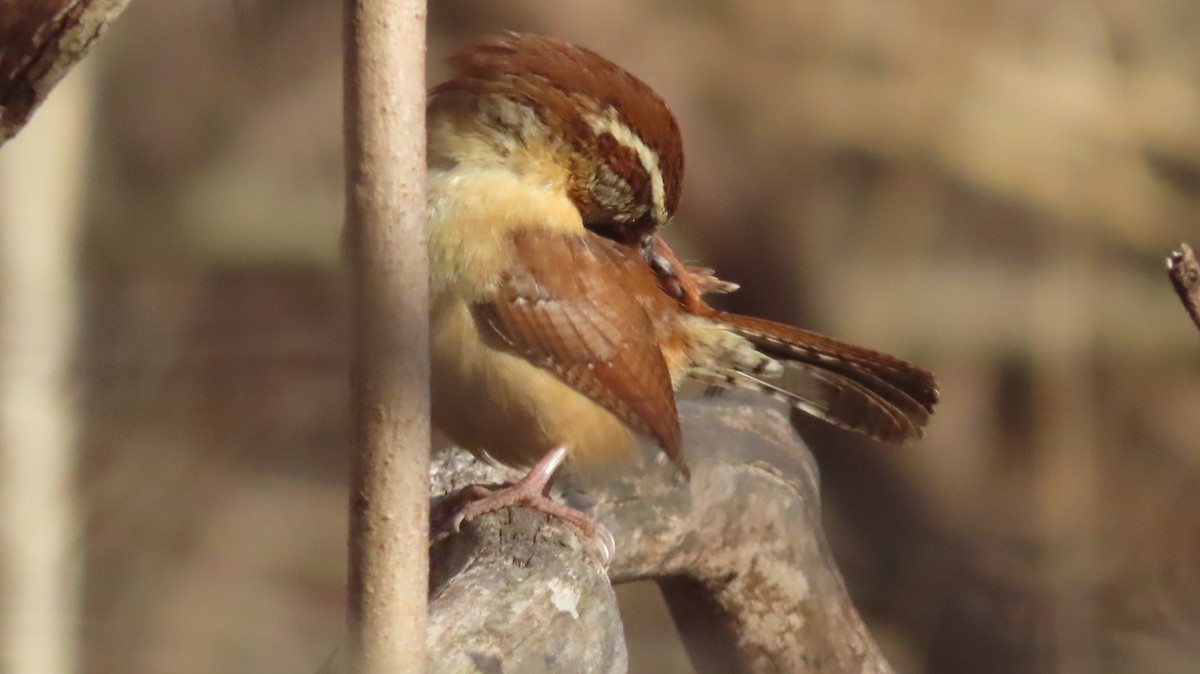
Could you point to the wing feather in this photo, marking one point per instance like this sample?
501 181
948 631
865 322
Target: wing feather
565 304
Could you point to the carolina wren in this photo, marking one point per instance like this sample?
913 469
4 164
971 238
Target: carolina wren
561 324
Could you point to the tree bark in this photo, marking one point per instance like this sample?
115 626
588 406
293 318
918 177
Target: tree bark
39 42
516 593
739 552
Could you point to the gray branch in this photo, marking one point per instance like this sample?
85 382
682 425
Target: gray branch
739 553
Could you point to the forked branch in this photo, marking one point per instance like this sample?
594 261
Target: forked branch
739 553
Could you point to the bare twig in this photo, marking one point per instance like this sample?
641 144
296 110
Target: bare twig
385 197
39 42
1184 273
739 552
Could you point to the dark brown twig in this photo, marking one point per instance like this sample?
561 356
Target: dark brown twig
39 43
1184 273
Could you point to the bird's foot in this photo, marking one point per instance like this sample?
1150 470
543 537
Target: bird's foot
474 501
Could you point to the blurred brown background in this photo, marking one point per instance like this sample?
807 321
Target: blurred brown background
987 188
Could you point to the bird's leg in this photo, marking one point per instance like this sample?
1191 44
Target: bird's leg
530 491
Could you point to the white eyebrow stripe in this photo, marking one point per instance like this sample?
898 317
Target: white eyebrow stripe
611 123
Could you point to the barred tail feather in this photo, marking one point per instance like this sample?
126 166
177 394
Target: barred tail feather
868 416
851 387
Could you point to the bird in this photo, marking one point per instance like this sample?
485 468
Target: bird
561 322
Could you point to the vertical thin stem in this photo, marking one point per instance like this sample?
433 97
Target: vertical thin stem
385 197
42 176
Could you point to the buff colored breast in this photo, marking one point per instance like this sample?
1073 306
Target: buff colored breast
498 404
